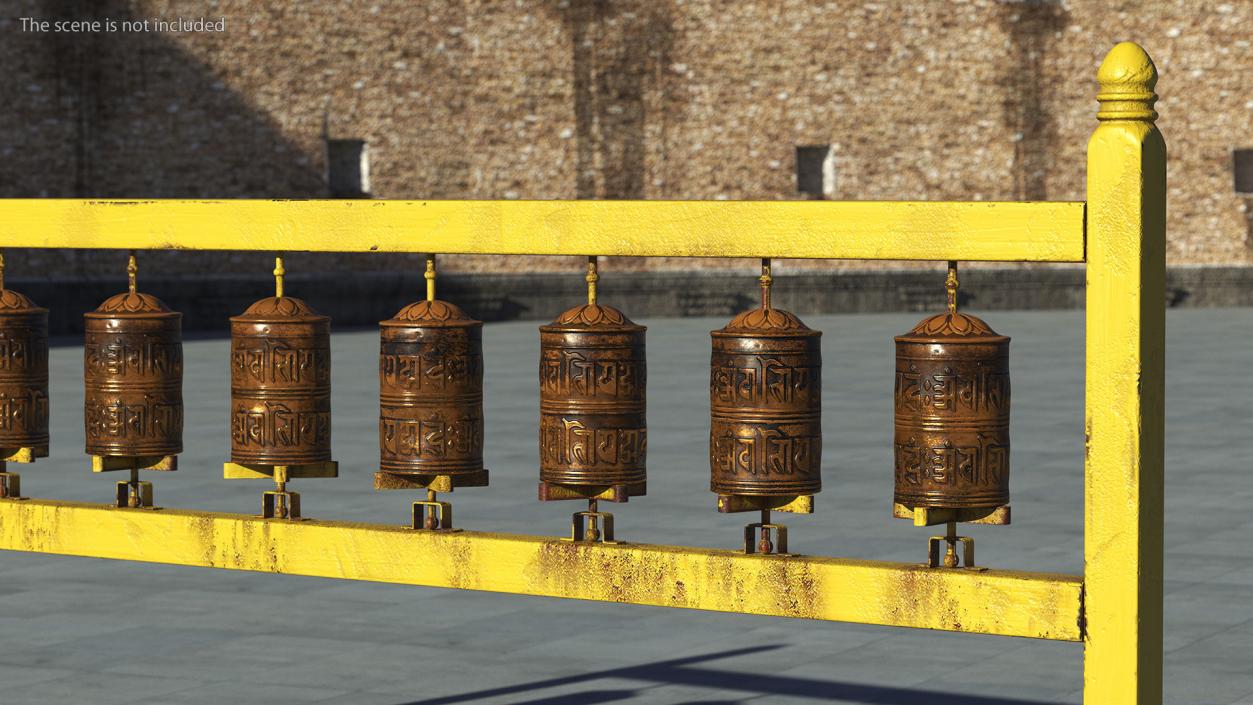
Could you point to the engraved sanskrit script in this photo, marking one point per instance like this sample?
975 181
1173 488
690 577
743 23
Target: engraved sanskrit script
275 424
570 442
762 450
944 391
275 361
764 381
119 420
982 464
570 372
433 436
149 359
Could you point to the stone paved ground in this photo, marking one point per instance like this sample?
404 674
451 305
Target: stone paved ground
78 630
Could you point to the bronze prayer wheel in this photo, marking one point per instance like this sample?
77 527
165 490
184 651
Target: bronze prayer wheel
431 391
280 384
765 396
23 373
952 414
592 380
133 368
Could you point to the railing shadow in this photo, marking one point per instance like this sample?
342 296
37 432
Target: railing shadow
684 671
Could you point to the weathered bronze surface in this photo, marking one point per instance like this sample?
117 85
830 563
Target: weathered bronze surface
133 369
280 384
592 380
765 396
952 414
23 373
431 391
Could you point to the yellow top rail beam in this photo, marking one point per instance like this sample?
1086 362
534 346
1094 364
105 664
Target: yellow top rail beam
907 230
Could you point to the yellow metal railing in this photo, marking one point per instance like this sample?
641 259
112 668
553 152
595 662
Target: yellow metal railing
919 230
1115 608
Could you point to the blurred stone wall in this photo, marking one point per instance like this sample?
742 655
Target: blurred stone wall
655 99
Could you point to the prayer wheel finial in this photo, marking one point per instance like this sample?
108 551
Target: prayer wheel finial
592 277
1127 77
950 284
132 272
430 277
279 272
766 282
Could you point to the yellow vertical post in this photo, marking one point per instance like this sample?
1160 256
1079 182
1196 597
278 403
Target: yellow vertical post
1126 270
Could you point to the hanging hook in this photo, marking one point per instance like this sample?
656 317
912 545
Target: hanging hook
430 277
592 277
766 282
279 271
950 283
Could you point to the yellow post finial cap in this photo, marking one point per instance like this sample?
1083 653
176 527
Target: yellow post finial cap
1127 77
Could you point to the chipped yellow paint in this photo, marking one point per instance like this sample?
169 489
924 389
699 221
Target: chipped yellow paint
22 455
917 230
898 594
1125 387
321 469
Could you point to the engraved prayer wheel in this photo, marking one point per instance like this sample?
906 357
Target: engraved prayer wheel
952 414
592 380
431 391
23 373
133 369
765 396
280 384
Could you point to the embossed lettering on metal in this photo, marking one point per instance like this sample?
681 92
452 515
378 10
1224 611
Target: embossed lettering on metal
431 391
592 377
133 372
765 396
23 372
280 384
951 443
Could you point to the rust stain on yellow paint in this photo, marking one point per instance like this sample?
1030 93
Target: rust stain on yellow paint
806 587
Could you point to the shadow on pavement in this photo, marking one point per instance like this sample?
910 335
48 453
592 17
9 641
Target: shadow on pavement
682 672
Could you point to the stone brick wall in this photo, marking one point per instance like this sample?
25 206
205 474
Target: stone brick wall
613 99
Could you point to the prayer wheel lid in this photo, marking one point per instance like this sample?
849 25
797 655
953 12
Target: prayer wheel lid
132 304
432 314
951 325
767 322
13 302
275 309
597 316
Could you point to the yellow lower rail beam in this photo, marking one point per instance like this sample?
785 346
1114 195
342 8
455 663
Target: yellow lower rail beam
916 230
897 594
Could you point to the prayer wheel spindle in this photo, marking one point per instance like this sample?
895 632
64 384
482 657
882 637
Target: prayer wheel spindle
593 434
133 375
430 403
23 384
765 433
280 397
951 446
